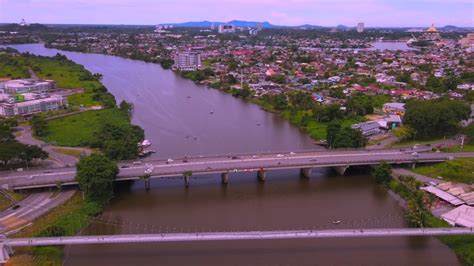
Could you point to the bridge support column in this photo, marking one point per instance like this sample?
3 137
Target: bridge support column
186 180
261 174
341 169
5 253
147 184
225 178
305 172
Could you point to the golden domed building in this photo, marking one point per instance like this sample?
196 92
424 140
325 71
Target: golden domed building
431 34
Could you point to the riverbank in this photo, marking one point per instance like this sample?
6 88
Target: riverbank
463 246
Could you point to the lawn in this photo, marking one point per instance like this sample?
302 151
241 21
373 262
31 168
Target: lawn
66 74
12 67
458 170
78 130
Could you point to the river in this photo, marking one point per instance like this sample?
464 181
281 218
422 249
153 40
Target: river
175 114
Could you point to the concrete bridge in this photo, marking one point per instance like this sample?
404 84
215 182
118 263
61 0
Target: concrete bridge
7 244
226 165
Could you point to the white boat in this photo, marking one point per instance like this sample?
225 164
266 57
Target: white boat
146 143
336 222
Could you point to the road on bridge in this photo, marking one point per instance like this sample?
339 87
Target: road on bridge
229 164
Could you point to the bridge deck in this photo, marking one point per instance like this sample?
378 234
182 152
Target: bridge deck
207 165
252 235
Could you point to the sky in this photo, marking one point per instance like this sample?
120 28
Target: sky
391 13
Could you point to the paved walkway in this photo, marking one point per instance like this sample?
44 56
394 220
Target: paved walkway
397 172
61 160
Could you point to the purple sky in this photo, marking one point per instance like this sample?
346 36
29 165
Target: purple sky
280 12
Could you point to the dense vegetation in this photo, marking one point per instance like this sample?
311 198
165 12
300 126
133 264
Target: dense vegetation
382 173
12 153
320 121
109 130
95 175
435 118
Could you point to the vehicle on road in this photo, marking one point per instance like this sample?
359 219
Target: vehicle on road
137 163
185 160
292 153
31 177
124 166
280 155
148 171
19 170
255 156
169 161
313 160
48 172
16 206
235 157
415 154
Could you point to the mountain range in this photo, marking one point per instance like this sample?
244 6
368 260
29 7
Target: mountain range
237 23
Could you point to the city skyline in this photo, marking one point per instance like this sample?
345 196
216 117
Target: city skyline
374 13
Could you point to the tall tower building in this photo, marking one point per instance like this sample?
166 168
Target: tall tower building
360 27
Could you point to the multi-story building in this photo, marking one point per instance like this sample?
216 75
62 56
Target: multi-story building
24 85
360 27
226 28
51 103
187 60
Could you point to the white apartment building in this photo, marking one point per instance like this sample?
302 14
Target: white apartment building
24 85
187 61
360 27
52 103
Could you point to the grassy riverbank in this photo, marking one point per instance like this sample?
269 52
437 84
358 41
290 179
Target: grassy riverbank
79 129
457 170
71 217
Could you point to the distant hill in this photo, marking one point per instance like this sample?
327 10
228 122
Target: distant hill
342 27
208 24
238 23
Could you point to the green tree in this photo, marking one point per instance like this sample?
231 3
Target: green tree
435 118
382 173
417 214
126 108
39 126
332 130
349 138
95 175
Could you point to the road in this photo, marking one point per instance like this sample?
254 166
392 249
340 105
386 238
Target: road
224 164
61 160
32 207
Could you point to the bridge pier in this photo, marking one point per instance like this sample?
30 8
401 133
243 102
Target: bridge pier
261 174
147 184
341 169
186 180
5 253
225 178
305 172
